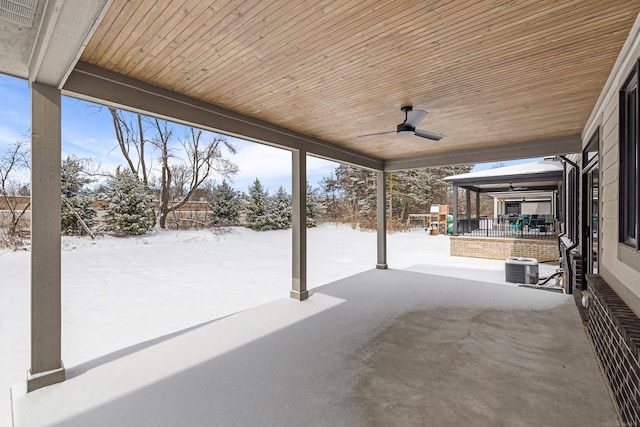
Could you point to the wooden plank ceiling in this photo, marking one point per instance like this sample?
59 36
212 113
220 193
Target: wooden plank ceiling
488 72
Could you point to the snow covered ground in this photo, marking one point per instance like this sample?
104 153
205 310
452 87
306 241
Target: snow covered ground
122 292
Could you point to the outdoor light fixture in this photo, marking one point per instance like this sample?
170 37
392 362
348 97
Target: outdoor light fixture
19 12
405 131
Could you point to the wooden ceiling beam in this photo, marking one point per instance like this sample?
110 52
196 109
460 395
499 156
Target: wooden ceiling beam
105 87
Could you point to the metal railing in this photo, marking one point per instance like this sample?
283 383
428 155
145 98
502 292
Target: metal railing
520 227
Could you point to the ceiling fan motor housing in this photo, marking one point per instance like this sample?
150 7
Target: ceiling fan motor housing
403 129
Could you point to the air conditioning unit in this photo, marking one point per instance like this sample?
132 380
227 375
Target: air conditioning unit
521 270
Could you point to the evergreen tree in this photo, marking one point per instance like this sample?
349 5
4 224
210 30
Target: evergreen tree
350 194
330 194
130 207
279 217
314 206
359 190
77 203
225 205
258 207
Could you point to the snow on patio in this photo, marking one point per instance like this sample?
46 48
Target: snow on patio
123 297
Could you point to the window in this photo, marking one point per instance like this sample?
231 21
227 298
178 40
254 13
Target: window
512 208
628 179
572 206
590 205
591 150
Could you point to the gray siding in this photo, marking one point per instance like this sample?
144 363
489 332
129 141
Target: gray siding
619 265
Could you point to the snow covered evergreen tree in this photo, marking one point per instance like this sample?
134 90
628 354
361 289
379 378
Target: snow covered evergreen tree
350 194
77 203
130 208
225 205
314 207
332 201
279 217
359 190
258 207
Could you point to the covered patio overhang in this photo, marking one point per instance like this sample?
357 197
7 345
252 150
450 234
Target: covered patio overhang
499 80
517 180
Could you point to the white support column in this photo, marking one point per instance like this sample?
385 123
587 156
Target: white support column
46 326
381 210
299 224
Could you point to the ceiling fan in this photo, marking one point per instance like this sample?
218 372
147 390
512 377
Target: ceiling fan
408 127
512 188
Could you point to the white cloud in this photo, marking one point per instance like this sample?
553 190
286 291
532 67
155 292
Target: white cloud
272 166
9 136
262 161
317 167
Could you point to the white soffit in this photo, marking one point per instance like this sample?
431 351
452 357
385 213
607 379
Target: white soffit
65 28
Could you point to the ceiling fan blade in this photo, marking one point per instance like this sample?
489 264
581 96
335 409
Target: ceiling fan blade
429 135
415 117
376 134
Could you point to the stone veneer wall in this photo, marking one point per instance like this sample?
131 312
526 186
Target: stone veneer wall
615 333
502 248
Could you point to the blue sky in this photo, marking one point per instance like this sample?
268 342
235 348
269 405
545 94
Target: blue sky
87 132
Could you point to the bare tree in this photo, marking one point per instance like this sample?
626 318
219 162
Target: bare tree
180 179
130 135
179 175
203 158
12 159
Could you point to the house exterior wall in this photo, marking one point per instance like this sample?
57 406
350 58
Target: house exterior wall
613 322
619 265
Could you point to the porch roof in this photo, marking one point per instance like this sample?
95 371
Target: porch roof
500 80
535 176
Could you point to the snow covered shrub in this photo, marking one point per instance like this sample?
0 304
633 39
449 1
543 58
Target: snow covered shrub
279 216
314 207
130 208
225 205
12 241
77 203
274 213
258 207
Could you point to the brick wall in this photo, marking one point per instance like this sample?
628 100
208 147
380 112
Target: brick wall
500 248
614 331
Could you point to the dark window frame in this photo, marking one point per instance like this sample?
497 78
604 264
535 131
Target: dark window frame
572 205
590 160
629 147
510 204
592 151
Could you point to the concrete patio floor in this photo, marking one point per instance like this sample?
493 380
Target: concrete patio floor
384 347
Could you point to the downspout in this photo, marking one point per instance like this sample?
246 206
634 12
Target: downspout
560 237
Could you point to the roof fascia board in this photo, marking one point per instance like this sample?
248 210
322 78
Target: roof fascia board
98 85
515 192
65 29
517 150
541 176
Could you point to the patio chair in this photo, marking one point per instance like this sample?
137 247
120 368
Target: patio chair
517 225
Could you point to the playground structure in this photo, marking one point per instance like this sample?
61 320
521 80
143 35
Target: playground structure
438 221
